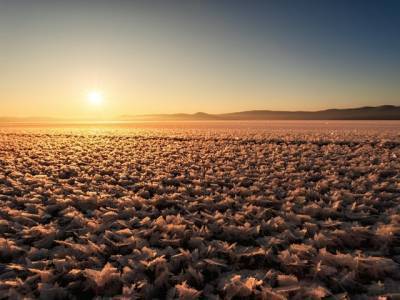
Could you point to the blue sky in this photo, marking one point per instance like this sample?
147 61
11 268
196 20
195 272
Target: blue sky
188 56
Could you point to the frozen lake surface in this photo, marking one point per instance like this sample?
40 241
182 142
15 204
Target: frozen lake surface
215 210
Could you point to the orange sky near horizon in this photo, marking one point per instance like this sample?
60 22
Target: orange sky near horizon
148 59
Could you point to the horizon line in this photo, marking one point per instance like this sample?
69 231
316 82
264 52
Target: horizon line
116 117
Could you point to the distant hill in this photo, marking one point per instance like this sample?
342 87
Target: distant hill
384 112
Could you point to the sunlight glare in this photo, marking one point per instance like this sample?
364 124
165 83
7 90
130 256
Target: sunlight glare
95 97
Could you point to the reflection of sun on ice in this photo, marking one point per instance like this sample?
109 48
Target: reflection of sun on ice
95 97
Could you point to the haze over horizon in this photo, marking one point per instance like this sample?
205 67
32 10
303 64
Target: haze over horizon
100 59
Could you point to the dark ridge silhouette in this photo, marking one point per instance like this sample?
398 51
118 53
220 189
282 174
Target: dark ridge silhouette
384 112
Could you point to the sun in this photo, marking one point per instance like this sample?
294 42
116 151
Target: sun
95 97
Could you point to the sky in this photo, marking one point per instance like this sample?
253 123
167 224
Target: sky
146 57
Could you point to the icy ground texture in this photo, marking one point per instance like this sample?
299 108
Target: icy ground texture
199 214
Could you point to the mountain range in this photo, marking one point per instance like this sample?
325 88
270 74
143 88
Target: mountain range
384 112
